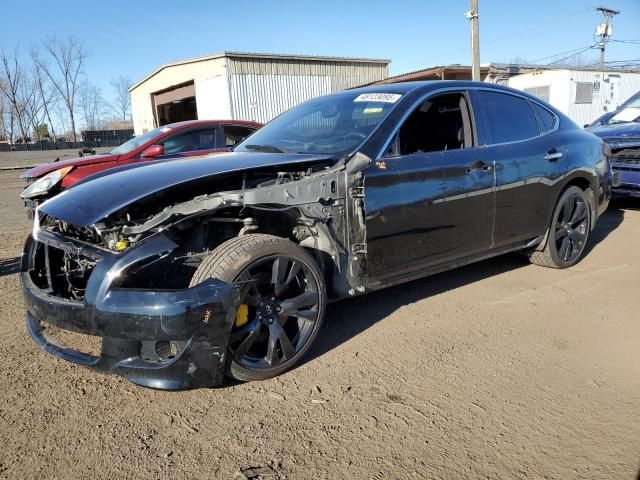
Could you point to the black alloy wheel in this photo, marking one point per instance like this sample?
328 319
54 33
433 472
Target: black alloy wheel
282 305
569 230
572 228
282 309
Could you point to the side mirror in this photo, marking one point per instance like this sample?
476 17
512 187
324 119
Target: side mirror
153 151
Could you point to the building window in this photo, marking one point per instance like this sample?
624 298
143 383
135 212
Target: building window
584 92
541 92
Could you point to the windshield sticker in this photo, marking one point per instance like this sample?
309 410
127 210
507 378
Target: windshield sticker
372 110
628 114
378 97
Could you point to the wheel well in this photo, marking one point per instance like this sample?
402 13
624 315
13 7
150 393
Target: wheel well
579 182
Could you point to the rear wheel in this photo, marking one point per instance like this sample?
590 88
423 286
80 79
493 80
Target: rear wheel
282 309
568 232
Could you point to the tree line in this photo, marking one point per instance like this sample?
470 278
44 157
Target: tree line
45 94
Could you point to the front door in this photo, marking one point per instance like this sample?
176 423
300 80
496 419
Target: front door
430 199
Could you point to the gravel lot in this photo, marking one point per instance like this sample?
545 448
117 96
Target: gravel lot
36 157
497 370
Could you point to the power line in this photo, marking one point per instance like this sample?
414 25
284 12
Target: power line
570 56
582 49
550 27
626 41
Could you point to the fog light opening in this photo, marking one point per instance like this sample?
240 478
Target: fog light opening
167 350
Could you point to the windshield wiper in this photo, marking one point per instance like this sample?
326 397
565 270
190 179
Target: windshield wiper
268 149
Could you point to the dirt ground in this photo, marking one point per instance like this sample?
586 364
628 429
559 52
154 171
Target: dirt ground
36 157
497 370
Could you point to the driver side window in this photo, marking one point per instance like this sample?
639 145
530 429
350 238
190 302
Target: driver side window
191 141
439 124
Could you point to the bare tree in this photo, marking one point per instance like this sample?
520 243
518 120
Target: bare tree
93 106
65 75
122 101
47 94
32 106
12 88
4 134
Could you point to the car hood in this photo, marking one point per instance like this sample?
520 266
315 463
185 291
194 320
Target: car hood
90 202
41 170
620 131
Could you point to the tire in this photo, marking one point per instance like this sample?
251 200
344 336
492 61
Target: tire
568 232
271 319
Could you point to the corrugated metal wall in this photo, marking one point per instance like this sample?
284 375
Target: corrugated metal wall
261 89
608 90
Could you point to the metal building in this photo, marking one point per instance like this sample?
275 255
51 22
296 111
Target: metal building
243 86
581 93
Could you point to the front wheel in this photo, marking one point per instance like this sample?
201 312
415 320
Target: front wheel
568 232
282 309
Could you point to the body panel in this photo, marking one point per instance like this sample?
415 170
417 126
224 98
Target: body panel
427 208
125 187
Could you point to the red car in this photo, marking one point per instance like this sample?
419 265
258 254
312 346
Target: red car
176 140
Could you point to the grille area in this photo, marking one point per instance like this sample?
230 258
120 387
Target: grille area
61 273
626 155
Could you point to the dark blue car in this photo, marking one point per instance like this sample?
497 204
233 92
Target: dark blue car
189 271
621 130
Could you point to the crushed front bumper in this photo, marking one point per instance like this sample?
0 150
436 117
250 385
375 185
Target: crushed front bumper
626 179
130 321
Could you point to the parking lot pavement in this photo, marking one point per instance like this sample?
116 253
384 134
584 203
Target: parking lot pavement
24 160
496 370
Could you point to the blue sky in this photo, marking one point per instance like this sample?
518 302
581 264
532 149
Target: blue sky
133 37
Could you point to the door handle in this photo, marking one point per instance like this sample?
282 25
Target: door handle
479 165
552 156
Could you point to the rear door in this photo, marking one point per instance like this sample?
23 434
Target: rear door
429 198
530 160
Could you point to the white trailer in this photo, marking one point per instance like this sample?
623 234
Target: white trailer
582 94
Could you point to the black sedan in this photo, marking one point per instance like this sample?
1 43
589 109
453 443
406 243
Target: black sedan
188 271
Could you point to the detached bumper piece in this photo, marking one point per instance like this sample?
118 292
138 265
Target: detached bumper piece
165 339
626 172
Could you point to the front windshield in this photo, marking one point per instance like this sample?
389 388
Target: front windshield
629 113
135 142
331 125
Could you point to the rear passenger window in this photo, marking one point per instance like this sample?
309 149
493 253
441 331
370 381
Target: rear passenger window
545 117
506 118
233 134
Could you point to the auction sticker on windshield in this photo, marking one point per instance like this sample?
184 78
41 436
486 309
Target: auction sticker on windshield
378 97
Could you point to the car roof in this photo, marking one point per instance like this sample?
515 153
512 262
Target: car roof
427 85
199 123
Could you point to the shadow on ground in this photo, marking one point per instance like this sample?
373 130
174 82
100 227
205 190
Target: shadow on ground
9 266
348 318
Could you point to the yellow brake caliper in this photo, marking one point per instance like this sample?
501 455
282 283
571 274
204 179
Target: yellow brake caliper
242 315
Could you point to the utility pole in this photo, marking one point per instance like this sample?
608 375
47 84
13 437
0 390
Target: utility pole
605 30
472 16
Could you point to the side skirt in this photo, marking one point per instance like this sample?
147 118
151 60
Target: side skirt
383 282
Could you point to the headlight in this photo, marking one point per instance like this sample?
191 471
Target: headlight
44 184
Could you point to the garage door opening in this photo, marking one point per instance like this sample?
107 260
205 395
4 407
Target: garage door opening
176 104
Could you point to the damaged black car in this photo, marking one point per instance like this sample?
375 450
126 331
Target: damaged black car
187 272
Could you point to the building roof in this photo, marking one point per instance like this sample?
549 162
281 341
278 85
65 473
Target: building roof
586 68
447 72
431 73
251 55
